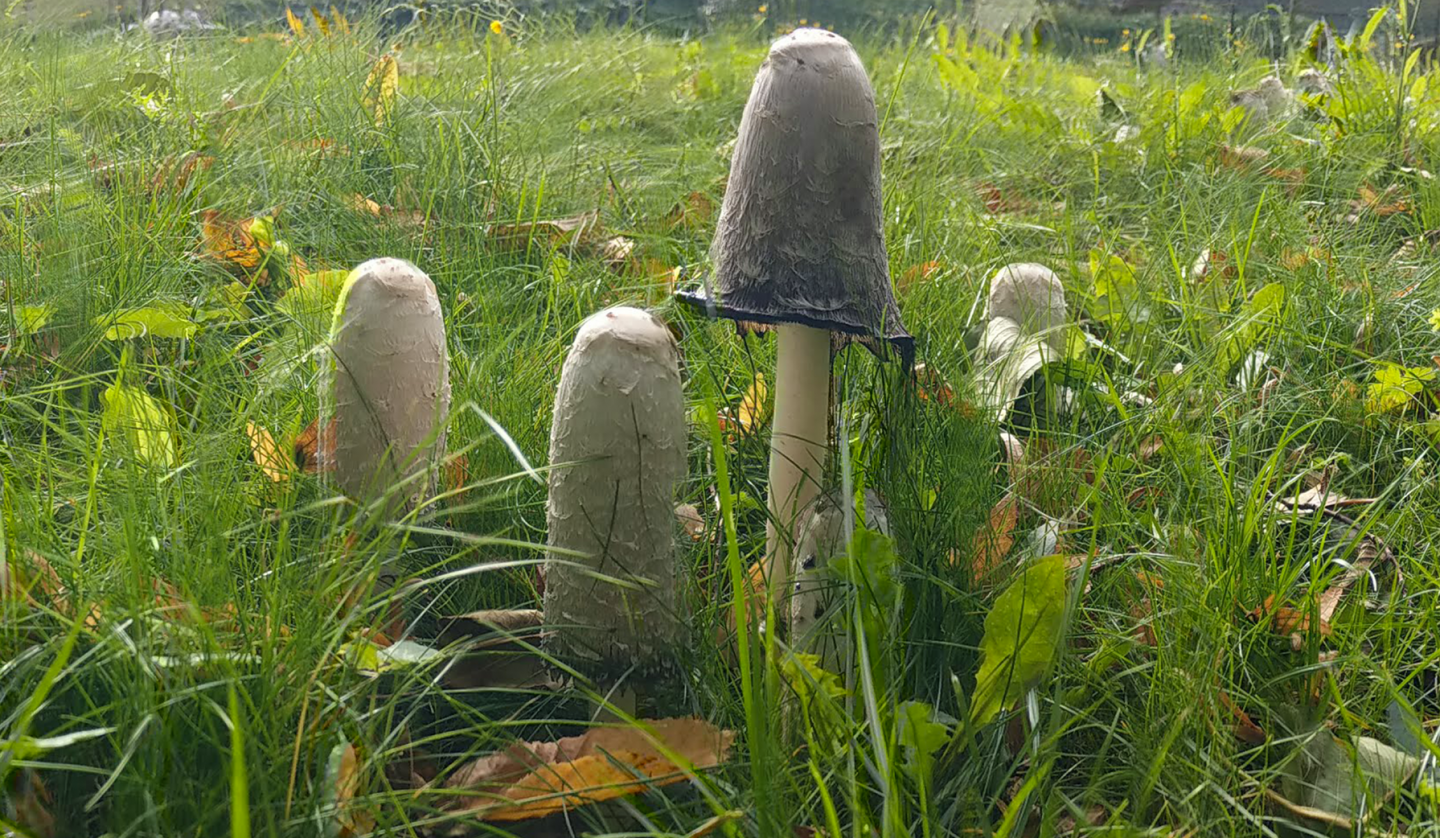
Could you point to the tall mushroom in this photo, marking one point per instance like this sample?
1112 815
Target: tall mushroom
821 535
617 449
800 248
386 385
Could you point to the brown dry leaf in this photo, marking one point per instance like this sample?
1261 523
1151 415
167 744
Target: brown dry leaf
350 819
456 474
1241 157
173 174
917 274
536 779
306 446
400 217
1288 621
999 202
268 455
992 543
618 254
694 212
690 520
1245 728
1392 200
576 228
1149 447
931 385
1212 264
27 805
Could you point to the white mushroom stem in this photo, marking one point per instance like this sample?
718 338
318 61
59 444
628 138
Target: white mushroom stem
798 440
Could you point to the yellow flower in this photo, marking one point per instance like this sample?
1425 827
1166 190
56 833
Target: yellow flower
496 27
803 21
1124 31
1125 47
1204 18
764 8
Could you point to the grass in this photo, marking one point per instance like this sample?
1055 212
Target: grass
242 684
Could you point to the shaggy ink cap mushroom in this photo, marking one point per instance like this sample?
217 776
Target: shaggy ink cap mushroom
801 234
386 385
617 452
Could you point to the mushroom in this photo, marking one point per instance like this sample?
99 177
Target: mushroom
386 386
1024 330
1268 101
617 449
820 537
800 248
1313 82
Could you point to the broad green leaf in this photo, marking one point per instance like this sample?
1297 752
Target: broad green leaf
1256 320
1395 387
228 303
808 678
31 319
1119 301
311 301
162 320
1370 26
143 423
1022 634
921 737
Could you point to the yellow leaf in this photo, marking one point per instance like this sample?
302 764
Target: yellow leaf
381 86
320 22
751 412
268 455
296 26
143 422
536 779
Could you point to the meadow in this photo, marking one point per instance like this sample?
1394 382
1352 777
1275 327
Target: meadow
1210 543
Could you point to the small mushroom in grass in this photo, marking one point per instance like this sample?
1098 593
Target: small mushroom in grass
800 247
617 449
1267 102
821 535
386 385
1025 329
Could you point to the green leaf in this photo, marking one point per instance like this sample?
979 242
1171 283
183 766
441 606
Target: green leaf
1373 24
228 302
807 677
921 737
1119 301
311 301
143 422
942 37
1022 633
1395 387
1256 320
162 320
31 319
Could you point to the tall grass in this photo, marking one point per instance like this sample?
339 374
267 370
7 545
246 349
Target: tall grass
230 721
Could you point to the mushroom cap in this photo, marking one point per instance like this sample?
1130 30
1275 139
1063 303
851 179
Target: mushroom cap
387 385
801 234
1032 296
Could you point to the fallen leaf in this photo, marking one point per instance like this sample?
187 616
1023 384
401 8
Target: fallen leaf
456 473
917 274
1392 200
342 779
273 463
229 242
998 202
381 87
618 254
750 414
497 650
306 446
27 805
551 232
1241 157
1149 447
1245 728
1288 621
536 779
993 542
694 212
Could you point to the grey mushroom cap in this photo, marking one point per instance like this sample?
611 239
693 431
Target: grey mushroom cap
801 234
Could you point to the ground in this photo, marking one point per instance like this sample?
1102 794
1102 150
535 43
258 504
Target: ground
199 635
